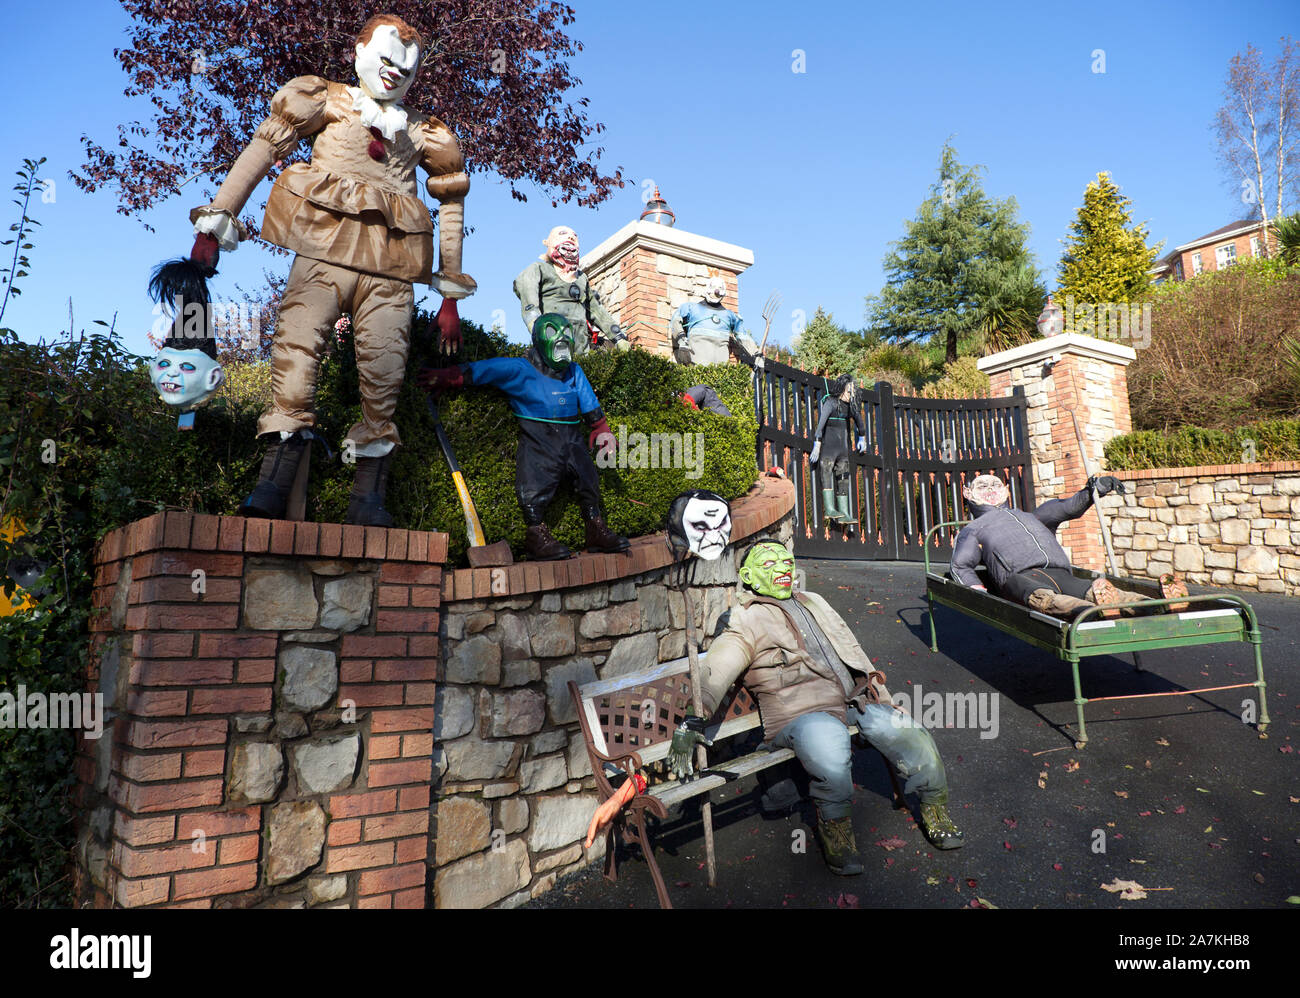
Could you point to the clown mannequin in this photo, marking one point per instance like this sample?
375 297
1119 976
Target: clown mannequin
812 679
1025 562
834 445
554 284
552 398
362 235
708 328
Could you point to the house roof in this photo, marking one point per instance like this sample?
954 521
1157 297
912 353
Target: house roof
1231 229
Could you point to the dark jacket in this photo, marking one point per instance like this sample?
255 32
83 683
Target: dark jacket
1008 541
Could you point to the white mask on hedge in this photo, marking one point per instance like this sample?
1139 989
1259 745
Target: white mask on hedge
707 526
185 377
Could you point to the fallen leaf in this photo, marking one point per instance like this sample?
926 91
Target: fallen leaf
846 901
1259 878
1057 866
682 883
1144 814
931 881
1121 793
1208 830
1009 822
1162 741
1006 846
1180 809
971 882
1286 748
1293 899
1258 793
891 843
1071 766
1201 790
1137 861
982 903
1128 890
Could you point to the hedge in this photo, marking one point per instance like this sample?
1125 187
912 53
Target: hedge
1191 446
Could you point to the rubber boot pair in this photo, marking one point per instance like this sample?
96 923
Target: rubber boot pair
366 505
270 497
539 543
599 537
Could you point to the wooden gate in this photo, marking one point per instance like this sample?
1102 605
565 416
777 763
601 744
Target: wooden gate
920 452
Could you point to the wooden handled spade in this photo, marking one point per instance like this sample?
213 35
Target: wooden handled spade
481 554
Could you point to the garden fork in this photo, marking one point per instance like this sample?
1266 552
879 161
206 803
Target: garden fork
769 313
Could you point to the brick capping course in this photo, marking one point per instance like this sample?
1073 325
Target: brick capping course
765 503
1200 470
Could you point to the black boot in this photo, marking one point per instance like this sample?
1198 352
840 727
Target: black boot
279 468
366 507
599 537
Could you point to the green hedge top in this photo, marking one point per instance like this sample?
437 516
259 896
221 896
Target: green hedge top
1192 446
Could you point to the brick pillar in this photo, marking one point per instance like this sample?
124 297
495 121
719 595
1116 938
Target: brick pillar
269 691
645 271
1060 374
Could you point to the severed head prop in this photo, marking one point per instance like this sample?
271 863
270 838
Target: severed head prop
987 490
699 522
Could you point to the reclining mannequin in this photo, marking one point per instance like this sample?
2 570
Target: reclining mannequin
1025 562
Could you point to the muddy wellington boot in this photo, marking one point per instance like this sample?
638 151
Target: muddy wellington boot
839 845
844 504
366 506
829 512
599 537
279 468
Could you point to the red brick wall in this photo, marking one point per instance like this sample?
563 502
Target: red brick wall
188 664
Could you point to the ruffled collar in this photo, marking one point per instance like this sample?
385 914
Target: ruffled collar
388 116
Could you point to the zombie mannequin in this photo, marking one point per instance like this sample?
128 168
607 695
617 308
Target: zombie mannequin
812 679
362 235
554 284
708 328
1024 560
552 398
833 447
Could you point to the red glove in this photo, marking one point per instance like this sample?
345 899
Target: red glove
206 251
436 380
600 429
448 320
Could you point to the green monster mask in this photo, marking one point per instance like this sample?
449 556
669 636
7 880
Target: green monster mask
553 341
768 570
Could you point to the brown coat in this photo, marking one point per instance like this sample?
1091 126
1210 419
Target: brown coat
343 207
762 645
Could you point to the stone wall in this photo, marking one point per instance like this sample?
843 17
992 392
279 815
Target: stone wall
269 691
514 792
1221 525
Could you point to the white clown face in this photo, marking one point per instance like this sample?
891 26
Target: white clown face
385 66
185 377
715 290
707 525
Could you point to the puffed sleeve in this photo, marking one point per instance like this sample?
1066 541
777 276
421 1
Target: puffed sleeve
297 110
448 182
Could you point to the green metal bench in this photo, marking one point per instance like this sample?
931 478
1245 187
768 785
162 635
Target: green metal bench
1209 619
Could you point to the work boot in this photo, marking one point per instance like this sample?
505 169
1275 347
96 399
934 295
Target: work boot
541 545
599 537
1057 604
279 468
839 846
366 507
1103 592
939 828
829 511
1171 585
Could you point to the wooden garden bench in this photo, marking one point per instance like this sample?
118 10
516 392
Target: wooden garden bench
628 723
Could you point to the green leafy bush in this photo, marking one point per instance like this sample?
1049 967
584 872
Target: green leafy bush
1190 446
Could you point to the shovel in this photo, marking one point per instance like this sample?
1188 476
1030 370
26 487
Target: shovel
481 553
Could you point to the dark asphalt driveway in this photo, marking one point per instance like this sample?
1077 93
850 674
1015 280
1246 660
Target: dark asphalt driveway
1184 798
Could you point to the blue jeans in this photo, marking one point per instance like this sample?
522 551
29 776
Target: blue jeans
822 745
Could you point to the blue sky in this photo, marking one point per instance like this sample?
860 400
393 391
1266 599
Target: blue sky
816 172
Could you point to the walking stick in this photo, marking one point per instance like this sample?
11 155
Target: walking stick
697 707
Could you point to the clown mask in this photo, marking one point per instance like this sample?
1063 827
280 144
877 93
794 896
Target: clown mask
185 377
562 248
986 490
386 65
769 570
553 341
702 522
715 290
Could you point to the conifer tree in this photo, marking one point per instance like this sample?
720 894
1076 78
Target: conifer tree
1107 258
827 348
954 271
